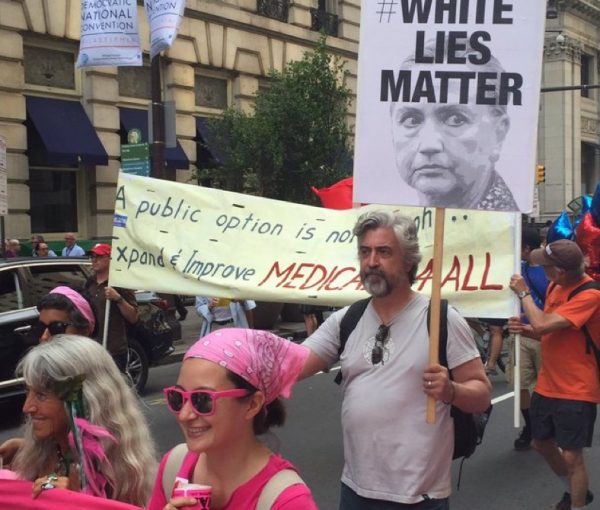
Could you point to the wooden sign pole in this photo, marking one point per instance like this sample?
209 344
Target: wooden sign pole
436 292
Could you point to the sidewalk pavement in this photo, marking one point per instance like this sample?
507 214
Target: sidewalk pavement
190 330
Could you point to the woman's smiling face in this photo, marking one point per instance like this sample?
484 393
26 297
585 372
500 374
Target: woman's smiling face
47 414
222 428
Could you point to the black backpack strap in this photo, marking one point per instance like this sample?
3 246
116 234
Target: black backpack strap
590 346
443 330
582 287
347 326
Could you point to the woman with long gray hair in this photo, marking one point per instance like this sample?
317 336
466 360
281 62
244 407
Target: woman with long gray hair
84 428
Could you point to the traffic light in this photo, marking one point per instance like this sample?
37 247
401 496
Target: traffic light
540 174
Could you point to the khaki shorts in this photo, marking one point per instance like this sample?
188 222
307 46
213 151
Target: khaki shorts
530 362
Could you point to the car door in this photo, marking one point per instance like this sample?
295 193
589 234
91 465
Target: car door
16 337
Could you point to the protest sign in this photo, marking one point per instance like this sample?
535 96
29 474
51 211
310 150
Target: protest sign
164 18
109 34
447 106
185 239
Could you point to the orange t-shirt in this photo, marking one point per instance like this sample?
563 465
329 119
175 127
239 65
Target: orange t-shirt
568 371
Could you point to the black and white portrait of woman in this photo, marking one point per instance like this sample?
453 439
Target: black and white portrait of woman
448 149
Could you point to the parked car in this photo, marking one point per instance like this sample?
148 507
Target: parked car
23 281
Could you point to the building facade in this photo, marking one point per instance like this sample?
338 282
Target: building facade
569 128
65 126
63 159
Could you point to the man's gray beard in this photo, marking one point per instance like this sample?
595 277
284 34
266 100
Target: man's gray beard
381 288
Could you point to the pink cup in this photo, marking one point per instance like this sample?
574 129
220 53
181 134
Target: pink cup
202 493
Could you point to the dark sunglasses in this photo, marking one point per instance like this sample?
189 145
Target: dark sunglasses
381 338
204 402
55 328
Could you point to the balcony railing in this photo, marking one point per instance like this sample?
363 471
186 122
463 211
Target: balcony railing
324 21
275 9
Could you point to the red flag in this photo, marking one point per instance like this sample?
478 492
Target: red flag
336 196
16 495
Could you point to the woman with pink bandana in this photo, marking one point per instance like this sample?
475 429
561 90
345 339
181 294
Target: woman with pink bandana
226 395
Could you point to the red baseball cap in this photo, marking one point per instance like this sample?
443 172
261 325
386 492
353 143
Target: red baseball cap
101 249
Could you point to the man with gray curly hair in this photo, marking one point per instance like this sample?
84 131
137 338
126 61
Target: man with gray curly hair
393 459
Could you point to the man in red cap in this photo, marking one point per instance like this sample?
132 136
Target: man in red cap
563 405
123 307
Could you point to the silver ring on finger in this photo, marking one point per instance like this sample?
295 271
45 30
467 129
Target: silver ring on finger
429 384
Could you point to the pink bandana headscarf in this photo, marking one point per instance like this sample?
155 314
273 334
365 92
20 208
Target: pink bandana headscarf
269 363
79 302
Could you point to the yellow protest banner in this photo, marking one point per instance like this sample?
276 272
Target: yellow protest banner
185 239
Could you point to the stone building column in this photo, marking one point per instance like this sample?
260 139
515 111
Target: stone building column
245 87
12 115
559 139
100 97
299 13
349 19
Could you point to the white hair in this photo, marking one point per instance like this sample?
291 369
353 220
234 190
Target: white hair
109 402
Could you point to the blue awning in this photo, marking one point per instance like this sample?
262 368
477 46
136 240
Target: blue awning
132 118
206 137
65 131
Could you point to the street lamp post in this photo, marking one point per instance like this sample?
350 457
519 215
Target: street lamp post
157 148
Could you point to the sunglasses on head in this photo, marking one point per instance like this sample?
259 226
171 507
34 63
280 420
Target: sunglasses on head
381 338
204 402
54 327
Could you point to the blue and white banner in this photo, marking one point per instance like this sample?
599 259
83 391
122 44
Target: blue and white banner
164 18
109 34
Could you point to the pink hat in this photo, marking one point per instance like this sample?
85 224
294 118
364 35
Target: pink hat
79 302
269 363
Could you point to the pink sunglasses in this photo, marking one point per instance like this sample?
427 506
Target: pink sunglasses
204 402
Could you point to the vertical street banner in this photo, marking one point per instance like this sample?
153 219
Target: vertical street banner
164 18
109 34
448 97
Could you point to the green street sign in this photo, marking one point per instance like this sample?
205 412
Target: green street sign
135 159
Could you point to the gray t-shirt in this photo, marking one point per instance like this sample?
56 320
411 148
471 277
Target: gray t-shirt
390 452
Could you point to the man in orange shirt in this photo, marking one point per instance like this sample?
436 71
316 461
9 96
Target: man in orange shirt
563 406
